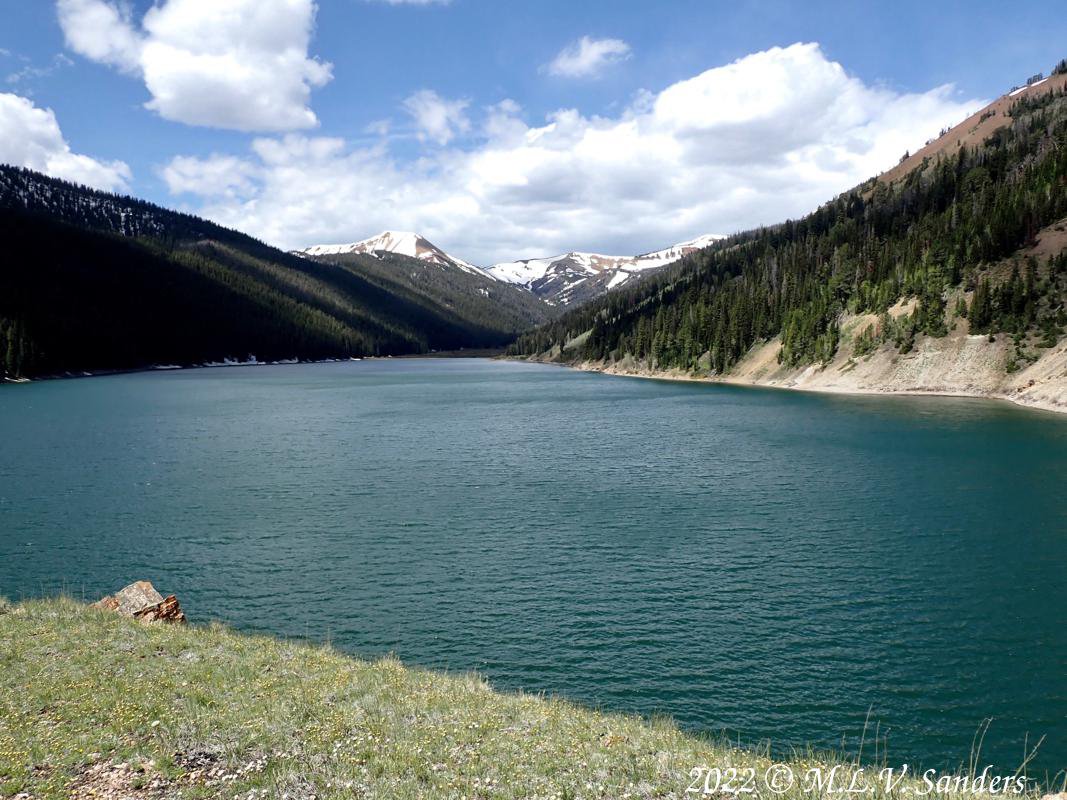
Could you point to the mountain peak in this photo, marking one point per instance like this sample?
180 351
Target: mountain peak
558 280
404 243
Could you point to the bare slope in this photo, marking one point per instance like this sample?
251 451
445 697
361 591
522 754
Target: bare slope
975 129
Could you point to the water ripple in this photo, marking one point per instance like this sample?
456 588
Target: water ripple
770 564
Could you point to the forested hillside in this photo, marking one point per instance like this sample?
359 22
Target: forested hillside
93 281
945 229
475 298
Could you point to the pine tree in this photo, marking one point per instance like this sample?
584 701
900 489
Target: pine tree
7 349
981 311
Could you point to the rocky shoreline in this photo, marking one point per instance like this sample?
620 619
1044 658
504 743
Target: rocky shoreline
1042 386
956 365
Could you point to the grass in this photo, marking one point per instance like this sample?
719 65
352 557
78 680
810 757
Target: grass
92 703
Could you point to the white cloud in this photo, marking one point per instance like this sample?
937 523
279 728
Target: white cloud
102 31
765 138
379 127
30 137
437 119
236 64
588 57
216 176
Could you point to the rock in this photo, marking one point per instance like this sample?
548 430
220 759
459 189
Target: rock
132 599
167 611
141 601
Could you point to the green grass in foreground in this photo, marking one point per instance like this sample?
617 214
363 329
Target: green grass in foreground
91 703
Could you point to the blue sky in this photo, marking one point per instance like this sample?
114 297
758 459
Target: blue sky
410 132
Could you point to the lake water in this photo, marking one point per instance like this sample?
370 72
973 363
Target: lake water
768 563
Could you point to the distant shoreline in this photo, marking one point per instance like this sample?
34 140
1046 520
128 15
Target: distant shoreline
486 353
498 354
483 352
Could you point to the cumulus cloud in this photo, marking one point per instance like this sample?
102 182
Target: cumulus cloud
101 31
216 176
235 64
765 138
437 119
588 57
30 137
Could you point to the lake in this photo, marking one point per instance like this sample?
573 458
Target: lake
772 564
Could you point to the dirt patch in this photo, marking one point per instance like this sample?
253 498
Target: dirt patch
904 306
106 780
1051 241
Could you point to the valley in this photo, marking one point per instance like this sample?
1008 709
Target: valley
532 401
967 235
97 282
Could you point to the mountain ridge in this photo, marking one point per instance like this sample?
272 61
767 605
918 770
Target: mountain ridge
576 277
563 280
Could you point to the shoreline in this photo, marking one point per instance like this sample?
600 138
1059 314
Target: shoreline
128 729
957 364
103 373
488 354
824 390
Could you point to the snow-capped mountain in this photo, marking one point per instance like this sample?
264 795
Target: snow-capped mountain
402 243
576 277
560 281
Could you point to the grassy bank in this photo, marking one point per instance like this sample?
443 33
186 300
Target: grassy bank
92 705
